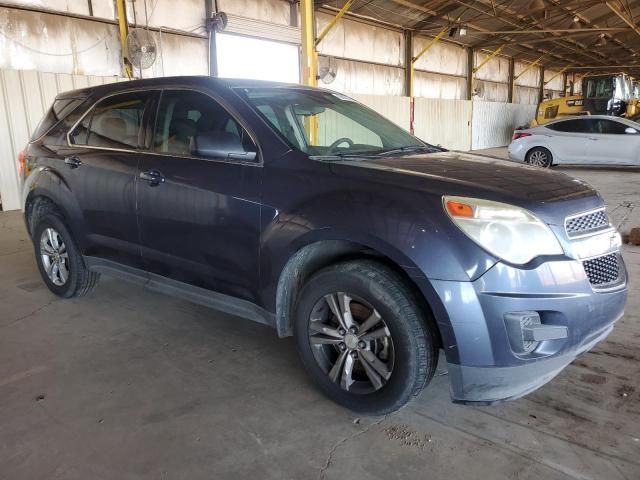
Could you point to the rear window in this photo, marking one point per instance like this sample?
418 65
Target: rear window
59 110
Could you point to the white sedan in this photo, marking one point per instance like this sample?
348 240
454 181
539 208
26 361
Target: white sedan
585 140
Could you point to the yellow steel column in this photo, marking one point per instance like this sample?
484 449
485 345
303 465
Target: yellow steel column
123 26
309 54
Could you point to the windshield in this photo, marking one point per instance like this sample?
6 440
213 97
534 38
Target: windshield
324 123
600 87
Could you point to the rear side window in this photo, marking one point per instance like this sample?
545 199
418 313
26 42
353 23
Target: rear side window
572 126
59 110
114 122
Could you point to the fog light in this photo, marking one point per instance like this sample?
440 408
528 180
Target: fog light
526 331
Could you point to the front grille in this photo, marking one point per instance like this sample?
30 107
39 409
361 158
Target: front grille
587 223
602 271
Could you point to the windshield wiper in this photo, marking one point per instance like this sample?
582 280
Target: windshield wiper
409 149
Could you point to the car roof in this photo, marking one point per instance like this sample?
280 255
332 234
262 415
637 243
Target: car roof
588 117
182 81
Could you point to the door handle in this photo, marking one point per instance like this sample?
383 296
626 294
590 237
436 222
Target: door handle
153 177
593 138
73 161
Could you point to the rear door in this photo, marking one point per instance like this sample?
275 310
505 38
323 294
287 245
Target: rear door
199 197
570 139
101 165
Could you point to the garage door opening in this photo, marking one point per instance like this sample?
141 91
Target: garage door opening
245 57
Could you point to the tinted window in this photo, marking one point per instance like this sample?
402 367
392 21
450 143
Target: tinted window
115 122
192 123
59 110
610 127
573 126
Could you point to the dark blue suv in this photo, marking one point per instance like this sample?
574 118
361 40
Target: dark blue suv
307 211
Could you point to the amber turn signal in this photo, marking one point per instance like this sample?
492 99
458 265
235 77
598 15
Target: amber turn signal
458 209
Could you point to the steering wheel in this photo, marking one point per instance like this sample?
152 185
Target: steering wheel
335 144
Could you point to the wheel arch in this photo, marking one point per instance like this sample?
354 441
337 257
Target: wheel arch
47 186
546 147
319 254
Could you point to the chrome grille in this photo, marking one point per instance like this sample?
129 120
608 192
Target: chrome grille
587 223
603 270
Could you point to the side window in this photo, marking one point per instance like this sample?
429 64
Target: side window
573 126
610 127
193 124
60 109
115 122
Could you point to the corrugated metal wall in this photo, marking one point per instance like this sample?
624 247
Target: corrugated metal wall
24 98
492 123
444 122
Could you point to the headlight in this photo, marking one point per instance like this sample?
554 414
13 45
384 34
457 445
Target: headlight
510 233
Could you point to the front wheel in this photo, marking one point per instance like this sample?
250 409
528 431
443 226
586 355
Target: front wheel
362 337
540 157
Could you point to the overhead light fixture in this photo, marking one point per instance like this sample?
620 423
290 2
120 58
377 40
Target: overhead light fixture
463 30
576 22
601 42
538 9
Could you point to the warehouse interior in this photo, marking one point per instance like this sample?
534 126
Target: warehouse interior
127 383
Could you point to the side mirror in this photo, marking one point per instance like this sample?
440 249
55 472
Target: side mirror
631 131
222 145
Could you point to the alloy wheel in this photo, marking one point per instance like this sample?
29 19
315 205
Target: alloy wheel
55 258
351 343
538 158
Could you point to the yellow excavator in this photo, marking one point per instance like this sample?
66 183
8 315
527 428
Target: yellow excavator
617 95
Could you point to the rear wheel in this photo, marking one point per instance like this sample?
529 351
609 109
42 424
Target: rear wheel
362 338
540 157
59 261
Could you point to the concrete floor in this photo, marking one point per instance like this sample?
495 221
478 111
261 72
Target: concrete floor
128 384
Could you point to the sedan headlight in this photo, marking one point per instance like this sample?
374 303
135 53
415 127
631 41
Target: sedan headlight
508 232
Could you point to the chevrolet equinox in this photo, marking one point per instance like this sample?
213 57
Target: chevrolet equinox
304 210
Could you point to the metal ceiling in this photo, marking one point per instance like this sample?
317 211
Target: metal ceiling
579 35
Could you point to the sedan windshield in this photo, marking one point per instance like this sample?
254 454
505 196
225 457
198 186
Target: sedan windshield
324 123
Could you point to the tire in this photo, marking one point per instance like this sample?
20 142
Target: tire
408 355
78 280
539 157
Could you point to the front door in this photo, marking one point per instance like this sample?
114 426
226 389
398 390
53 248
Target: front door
199 197
611 145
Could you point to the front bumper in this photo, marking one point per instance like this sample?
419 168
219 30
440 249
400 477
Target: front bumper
483 368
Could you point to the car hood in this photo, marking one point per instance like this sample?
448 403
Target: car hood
459 173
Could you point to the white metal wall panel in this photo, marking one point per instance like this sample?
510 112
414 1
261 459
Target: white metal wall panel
442 57
491 91
525 95
186 15
24 98
434 85
443 122
80 7
178 55
396 109
367 78
528 78
493 123
556 83
53 43
359 41
272 11
496 69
